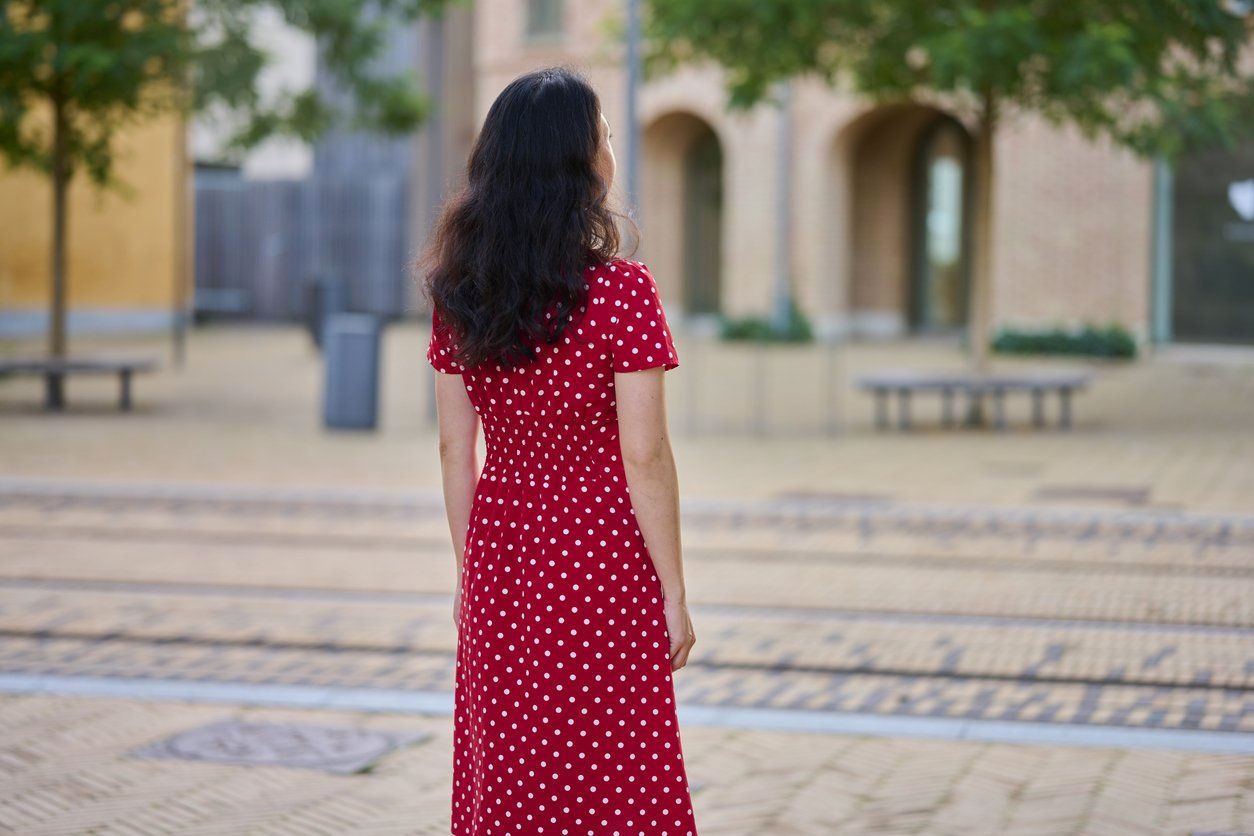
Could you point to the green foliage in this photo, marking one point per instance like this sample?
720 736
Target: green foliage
1112 340
100 64
1156 75
797 328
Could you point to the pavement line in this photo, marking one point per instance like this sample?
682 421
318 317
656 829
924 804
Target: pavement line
1019 562
394 701
785 668
1233 526
774 612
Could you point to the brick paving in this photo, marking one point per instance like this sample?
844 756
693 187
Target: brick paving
67 767
1086 583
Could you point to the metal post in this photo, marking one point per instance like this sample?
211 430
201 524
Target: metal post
759 390
692 380
831 389
781 308
1161 278
634 73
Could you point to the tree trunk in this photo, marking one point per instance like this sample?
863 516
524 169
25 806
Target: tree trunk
981 301
60 183
57 313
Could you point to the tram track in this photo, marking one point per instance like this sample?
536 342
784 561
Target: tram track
336 649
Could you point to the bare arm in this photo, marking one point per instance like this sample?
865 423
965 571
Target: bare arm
654 485
459 431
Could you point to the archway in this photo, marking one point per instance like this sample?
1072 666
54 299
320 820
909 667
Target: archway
683 208
908 216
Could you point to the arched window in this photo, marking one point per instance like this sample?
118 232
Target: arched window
703 214
941 228
544 20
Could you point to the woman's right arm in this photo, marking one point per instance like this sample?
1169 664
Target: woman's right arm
459 467
654 487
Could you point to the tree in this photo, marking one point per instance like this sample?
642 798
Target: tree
1157 76
75 72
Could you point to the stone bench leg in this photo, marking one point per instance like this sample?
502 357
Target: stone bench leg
1038 408
124 395
881 409
903 409
54 391
999 409
1064 408
947 407
975 408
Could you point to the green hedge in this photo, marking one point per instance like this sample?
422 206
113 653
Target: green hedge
1111 340
758 328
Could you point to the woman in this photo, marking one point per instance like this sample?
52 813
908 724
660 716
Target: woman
570 604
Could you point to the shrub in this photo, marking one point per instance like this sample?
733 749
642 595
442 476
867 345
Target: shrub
756 328
1089 340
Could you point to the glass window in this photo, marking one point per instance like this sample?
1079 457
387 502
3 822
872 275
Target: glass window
1213 244
544 19
940 260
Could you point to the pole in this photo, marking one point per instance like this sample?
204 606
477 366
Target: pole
634 73
782 302
1160 327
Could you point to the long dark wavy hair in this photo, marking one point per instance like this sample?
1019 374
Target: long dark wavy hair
513 244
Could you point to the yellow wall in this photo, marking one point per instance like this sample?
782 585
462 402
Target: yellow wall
127 256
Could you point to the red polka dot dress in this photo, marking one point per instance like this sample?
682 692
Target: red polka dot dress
564 710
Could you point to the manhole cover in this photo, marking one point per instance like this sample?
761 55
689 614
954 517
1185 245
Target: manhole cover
333 749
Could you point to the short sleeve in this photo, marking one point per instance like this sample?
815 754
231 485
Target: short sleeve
439 349
640 337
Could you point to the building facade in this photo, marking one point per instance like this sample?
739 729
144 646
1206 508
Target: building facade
879 196
127 253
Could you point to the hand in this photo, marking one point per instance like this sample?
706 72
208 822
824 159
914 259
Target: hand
679 625
457 605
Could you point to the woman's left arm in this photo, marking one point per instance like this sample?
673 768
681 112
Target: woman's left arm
459 432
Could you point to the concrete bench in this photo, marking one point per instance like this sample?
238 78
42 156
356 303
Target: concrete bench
974 386
54 370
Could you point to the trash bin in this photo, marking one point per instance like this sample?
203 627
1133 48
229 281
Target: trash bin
325 296
351 387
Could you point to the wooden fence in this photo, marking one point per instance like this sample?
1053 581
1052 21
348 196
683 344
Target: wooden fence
260 243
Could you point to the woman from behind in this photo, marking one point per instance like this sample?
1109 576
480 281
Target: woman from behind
570 604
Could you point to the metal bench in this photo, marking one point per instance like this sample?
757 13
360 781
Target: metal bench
54 370
974 386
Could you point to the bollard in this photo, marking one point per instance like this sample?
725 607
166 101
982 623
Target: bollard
351 386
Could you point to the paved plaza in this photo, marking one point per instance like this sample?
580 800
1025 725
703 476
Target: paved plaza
947 631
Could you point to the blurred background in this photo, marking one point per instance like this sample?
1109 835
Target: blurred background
963 296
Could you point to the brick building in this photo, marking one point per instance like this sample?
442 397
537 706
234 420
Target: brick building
1084 231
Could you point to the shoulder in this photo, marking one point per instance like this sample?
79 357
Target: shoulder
621 276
